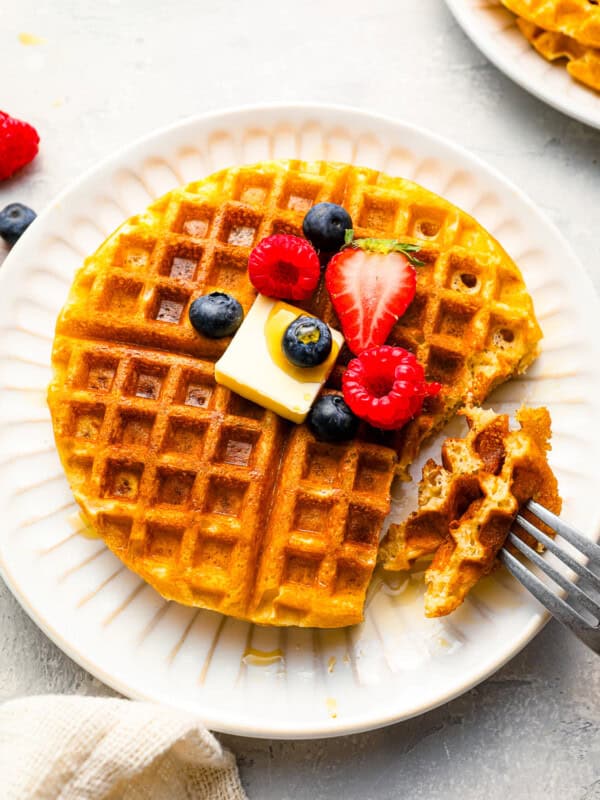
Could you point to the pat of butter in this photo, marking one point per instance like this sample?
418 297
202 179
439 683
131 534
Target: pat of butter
255 367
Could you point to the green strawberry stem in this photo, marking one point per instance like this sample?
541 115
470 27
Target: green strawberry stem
384 246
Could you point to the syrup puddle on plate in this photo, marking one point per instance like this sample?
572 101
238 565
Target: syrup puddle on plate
262 658
80 525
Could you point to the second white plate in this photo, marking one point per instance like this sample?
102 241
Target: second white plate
493 29
242 678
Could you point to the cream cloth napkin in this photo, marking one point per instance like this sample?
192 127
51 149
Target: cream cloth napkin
90 748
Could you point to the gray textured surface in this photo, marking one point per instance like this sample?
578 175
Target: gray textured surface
111 71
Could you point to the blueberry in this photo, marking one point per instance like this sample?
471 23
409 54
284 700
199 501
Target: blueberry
331 420
216 315
306 341
14 221
325 226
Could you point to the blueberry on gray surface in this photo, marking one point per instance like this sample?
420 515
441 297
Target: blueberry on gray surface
307 341
331 420
216 315
325 226
14 221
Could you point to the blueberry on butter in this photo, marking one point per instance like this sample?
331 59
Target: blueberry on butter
307 342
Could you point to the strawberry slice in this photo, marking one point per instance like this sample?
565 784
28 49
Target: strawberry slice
370 289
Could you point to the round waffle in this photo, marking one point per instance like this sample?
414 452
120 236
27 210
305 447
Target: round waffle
213 500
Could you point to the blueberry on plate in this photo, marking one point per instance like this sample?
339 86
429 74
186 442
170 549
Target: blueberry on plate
325 226
331 420
216 315
14 221
307 342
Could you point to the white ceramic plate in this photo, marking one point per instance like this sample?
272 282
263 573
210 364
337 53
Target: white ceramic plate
493 29
307 682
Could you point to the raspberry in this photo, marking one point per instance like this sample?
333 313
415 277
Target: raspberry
18 144
285 267
386 386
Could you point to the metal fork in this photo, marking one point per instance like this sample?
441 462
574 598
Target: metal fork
583 596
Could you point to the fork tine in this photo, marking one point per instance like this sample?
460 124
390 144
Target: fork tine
558 578
588 579
568 532
556 605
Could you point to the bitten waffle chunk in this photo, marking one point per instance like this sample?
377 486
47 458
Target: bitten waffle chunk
467 506
218 502
579 19
583 62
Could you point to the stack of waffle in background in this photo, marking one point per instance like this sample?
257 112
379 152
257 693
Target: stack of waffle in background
563 29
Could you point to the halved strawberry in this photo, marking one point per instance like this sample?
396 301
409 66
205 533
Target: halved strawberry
369 291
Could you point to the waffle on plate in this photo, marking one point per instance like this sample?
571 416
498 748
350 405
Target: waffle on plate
579 19
468 503
583 62
216 501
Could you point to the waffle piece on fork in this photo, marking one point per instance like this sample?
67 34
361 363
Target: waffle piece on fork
468 504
